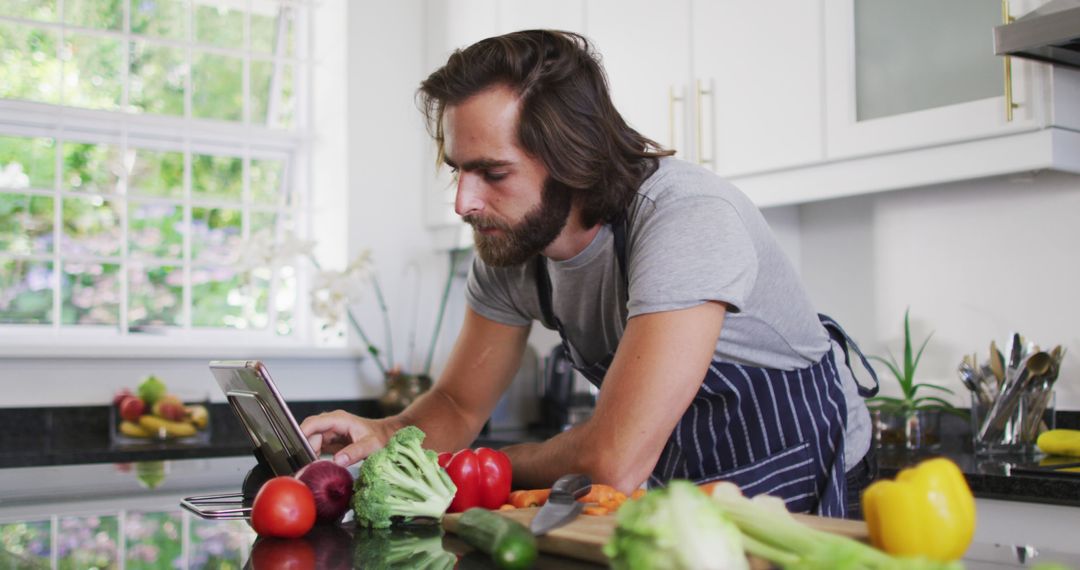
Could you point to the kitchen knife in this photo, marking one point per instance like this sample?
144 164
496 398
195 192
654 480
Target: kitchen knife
561 506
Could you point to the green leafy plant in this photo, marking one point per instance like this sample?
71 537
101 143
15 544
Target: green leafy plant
904 372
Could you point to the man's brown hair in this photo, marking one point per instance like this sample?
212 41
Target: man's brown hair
567 118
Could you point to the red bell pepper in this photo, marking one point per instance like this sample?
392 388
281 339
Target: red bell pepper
482 477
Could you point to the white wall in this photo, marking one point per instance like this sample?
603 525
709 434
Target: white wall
974 261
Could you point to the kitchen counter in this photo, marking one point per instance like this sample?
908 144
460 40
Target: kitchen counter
1004 477
94 515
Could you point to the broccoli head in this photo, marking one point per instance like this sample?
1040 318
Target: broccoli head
401 481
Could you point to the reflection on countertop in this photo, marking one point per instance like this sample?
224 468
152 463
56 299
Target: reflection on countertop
97 515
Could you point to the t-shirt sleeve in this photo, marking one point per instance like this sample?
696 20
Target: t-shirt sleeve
487 291
687 251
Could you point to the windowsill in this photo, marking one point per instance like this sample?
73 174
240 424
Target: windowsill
141 351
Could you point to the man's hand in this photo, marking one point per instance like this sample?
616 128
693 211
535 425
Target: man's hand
350 438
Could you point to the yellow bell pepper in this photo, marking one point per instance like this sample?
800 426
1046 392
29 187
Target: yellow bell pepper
928 511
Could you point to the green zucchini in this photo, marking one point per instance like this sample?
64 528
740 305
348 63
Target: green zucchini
508 542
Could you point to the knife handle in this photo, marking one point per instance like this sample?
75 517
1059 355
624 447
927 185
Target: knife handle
574 484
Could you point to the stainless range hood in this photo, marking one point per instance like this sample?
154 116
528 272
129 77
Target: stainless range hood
1050 33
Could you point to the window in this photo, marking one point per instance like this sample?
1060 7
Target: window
142 143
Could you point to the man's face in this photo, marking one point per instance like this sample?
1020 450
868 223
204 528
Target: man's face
514 207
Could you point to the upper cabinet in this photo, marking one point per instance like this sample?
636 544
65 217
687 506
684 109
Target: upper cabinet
803 100
757 81
915 96
918 73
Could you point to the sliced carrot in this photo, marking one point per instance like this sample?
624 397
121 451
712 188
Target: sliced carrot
599 493
595 510
638 493
707 488
529 497
507 507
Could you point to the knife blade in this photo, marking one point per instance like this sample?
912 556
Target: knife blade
561 506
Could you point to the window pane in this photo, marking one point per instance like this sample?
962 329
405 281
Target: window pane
26 224
217 87
93 70
218 177
29 66
266 182
90 293
27 162
153 540
220 26
44 10
88 542
91 227
107 14
156 295
215 235
263 223
160 18
219 544
224 297
271 94
91 167
265 19
156 230
26 293
158 74
157 173
29 541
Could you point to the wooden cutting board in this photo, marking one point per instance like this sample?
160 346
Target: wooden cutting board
584 537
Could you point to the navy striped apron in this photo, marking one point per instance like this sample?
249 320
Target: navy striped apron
779 432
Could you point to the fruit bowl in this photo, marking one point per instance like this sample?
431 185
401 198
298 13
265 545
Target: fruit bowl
153 414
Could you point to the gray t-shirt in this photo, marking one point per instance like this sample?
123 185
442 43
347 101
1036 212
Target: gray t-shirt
692 237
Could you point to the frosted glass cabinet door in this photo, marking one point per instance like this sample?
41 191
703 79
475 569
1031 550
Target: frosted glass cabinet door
920 73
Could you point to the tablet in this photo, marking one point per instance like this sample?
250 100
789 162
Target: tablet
273 430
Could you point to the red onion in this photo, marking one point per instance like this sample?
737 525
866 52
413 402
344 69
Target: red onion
332 486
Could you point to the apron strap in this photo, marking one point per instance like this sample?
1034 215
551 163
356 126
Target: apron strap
837 333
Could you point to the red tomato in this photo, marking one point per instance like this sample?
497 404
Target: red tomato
271 553
284 507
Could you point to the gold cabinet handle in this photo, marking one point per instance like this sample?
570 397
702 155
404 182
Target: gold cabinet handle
672 101
1009 105
699 94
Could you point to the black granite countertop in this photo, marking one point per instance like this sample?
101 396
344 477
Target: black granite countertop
81 435
1006 477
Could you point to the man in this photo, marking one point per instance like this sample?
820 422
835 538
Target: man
663 281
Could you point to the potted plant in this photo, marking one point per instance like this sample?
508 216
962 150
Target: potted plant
912 420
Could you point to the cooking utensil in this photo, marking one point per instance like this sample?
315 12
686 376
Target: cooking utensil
562 505
997 363
1017 379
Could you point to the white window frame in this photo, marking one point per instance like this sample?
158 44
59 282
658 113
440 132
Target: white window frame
192 136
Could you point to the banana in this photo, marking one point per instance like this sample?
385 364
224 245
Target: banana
132 429
198 416
166 428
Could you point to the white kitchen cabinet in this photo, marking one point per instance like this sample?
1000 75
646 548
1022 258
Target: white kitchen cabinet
915 97
913 74
760 64
645 49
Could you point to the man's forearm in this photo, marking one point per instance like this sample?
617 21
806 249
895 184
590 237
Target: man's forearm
447 425
577 450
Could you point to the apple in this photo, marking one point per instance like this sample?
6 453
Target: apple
120 396
170 407
131 408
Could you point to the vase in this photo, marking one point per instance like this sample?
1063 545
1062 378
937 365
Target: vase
401 390
907 429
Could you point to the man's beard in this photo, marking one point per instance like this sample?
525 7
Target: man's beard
518 243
